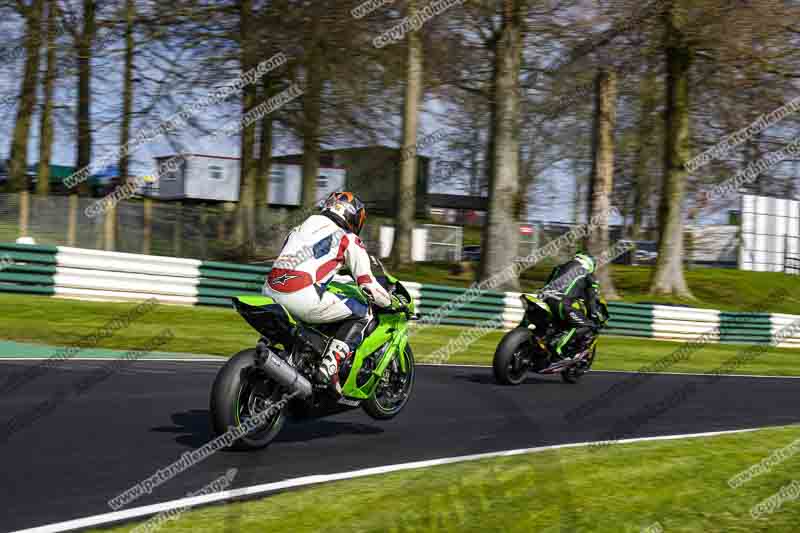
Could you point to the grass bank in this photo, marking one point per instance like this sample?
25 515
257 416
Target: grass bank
216 331
680 485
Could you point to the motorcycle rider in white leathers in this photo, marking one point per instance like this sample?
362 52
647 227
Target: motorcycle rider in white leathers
314 252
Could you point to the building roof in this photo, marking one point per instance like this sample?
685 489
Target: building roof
458 201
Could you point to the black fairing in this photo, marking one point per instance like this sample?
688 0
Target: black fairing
538 317
269 320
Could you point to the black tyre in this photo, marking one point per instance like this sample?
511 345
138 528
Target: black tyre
574 375
510 368
240 391
392 393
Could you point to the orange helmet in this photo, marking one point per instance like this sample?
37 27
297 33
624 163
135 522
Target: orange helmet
346 209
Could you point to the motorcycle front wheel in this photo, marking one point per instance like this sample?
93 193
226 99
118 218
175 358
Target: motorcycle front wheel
394 389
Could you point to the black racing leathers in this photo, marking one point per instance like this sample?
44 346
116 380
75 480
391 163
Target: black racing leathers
571 292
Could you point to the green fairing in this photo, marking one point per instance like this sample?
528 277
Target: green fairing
256 301
538 301
392 332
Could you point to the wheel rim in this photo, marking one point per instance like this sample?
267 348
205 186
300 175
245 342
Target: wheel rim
252 399
395 386
516 367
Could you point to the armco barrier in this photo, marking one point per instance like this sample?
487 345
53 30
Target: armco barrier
113 276
27 269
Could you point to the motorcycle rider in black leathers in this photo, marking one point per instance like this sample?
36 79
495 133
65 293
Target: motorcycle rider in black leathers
572 293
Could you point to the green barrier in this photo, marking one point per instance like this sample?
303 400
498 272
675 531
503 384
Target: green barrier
27 289
29 253
756 327
219 283
27 268
218 302
211 273
233 267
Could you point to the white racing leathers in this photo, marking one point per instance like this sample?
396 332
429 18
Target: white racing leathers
311 256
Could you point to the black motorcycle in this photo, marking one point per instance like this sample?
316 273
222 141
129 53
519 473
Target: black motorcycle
527 348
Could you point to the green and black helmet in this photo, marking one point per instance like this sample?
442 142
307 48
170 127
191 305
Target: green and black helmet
587 261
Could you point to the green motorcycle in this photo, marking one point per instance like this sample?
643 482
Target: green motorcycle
259 388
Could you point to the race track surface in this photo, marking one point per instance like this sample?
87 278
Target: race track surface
87 449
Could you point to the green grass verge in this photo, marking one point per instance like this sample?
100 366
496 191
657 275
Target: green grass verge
216 331
713 288
681 485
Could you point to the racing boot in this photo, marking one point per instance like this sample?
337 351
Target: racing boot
335 354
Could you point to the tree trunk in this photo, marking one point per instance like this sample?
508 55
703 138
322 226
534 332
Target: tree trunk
245 217
311 117
602 183
18 164
503 231
642 182
668 278
84 119
127 89
405 207
46 121
491 139
264 158
110 220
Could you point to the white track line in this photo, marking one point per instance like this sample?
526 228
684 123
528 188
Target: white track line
696 374
634 372
221 359
137 512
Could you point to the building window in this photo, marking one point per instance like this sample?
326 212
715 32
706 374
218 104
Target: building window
322 183
215 172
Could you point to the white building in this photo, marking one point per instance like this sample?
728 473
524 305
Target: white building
216 178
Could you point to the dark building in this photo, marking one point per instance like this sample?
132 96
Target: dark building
372 172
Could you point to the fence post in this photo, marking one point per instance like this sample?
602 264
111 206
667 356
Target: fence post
24 213
109 228
178 236
202 232
147 230
72 222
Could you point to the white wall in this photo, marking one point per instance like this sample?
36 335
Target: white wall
286 183
419 241
200 185
770 232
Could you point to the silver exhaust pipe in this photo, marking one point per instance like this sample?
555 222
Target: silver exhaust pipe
285 374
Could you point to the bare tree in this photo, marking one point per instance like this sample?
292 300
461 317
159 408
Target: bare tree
27 100
602 182
501 239
84 39
313 65
668 275
46 119
245 220
407 184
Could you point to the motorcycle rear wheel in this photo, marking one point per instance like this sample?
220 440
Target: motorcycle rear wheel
241 391
573 375
510 368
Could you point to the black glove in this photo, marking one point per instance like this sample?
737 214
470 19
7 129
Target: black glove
399 303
